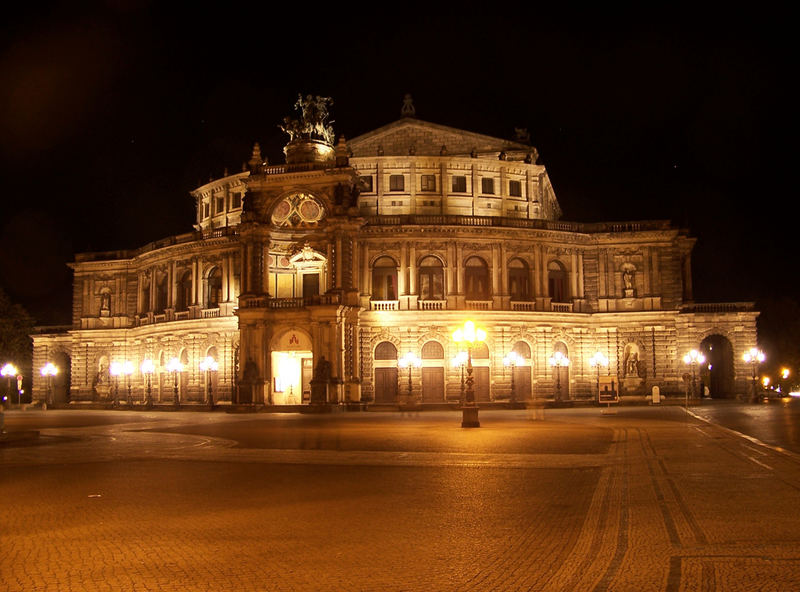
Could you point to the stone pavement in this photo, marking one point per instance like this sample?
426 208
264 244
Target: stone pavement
646 499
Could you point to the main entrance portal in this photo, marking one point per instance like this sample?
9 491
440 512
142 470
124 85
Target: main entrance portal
292 368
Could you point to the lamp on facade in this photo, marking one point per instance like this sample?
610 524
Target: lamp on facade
512 359
8 371
127 370
596 361
147 369
754 357
558 361
410 360
48 371
115 369
469 334
693 358
460 360
209 365
175 367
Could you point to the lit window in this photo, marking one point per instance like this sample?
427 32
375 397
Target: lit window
487 186
515 188
428 183
396 183
459 184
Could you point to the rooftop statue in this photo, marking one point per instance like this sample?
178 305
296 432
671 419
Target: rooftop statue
312 124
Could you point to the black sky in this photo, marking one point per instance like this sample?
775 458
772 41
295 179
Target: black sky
109 116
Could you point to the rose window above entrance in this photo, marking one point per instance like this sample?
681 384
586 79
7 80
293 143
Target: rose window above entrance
298 210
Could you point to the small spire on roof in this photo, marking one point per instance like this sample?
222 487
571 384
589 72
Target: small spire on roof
255 157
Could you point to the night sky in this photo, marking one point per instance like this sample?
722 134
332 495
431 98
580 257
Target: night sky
109 117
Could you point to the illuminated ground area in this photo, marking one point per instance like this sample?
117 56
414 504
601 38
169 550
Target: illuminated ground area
646 499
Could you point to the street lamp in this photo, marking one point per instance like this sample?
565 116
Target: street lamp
174 365
147 369
512 359
693 358
115 369
209 365
408 361
127 370
469 334
558 361
460 359
754 357
8 371
48 371
597 360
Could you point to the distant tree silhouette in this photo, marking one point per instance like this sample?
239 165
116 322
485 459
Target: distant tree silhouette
16 326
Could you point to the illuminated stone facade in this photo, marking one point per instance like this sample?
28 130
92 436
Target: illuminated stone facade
378 246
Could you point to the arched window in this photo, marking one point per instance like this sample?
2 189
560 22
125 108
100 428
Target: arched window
476 277
557 282
431 279
522 349
161 293
214 289
480 351
385 350
384 279
145 294
432 350
519 280
184 291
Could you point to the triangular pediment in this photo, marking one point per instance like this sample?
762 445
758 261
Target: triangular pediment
413 136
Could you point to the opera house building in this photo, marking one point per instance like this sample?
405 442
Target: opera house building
339 277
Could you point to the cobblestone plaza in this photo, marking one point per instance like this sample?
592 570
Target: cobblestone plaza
647 499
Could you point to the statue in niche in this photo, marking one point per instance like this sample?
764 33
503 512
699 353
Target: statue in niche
627 280
631 361
105 304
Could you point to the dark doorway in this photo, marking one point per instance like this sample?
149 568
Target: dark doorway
522 383
432 385
717 373
481 384
61 381
386 386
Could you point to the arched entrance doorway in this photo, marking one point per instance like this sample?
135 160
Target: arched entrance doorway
61 381
292 368
717 374
385 373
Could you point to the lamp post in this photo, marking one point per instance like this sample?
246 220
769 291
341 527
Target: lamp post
460 359
147 369
175 367
48 371
209 365
127 370
597 360
410 360
115 369
558 361
693 358
8 371
469 334
754 357
512 359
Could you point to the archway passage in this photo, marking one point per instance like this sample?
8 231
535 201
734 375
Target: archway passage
718 373
61 381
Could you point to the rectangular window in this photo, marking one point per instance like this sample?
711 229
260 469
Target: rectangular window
366 183
428 183
205 210
396 183
515 188
459 184
220 205
236 201
487 186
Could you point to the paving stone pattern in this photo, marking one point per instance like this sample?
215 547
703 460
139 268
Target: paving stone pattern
644 500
